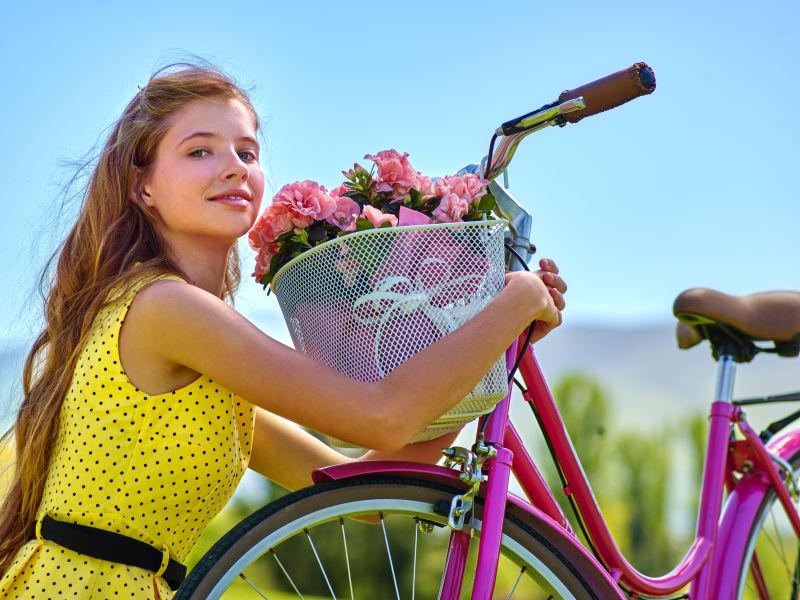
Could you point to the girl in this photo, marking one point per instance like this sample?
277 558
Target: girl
147 395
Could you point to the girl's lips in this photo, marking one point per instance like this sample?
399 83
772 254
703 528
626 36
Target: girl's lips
241 202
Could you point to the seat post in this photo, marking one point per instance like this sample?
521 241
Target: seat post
715 467
726 372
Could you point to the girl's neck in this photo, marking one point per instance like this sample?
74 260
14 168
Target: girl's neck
204 265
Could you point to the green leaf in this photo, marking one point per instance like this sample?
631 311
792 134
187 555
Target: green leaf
302 238
284 237
415 198
487 202
276 263
363 224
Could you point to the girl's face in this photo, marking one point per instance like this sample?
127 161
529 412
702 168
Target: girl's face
209 151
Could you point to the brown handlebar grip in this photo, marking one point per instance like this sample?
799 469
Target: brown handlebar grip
611 91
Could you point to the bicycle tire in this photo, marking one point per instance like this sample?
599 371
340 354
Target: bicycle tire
525 540
777 588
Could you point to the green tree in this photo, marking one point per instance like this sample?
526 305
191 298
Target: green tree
643 482
696 432
584 407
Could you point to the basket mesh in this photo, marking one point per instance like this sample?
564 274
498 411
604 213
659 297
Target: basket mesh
366 302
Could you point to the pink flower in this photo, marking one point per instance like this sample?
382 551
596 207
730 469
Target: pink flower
273 222
441 186
469 186
377 218
474 186
263 259
346 210
307 201
451 208
395 173
425 186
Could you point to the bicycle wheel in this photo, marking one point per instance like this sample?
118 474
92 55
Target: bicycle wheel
771 565
307 545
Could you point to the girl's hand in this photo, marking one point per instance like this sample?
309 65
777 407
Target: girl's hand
554 286
554 282
557 287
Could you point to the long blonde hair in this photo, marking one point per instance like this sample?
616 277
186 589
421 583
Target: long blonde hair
110 236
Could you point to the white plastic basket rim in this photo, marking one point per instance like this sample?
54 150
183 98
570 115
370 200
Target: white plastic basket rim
367 232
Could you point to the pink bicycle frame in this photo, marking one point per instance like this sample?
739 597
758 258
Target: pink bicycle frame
713 562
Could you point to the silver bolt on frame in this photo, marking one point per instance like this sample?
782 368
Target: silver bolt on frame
471 474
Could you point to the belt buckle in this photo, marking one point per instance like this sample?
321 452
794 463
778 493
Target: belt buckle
38 528
164 561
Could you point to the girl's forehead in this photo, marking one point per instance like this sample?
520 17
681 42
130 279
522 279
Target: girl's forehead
210 114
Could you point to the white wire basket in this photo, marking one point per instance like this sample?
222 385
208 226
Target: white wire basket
366 302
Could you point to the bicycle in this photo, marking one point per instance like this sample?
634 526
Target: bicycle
526 545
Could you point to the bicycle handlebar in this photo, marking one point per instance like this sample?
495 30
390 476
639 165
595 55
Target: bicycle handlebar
610 91
587 100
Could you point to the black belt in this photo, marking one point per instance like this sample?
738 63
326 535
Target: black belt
113 547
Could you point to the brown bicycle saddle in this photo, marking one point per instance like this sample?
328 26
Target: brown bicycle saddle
735 322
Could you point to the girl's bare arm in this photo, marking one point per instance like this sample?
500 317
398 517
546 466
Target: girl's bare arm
286 454
186 326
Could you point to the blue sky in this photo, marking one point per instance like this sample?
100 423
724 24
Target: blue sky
693 185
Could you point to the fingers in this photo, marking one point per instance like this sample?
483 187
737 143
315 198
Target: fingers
549 274
549 265
558 298
554 281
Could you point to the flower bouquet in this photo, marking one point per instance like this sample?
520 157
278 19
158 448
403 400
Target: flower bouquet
383 266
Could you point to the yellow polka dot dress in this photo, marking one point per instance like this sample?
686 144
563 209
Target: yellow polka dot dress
154 468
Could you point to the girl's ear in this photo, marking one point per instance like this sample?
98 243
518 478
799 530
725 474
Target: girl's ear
138 187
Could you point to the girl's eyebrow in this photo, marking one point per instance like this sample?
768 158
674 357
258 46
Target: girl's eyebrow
214 135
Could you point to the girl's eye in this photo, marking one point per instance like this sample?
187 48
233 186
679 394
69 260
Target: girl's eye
250 156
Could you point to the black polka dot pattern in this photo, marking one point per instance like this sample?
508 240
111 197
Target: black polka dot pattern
155 468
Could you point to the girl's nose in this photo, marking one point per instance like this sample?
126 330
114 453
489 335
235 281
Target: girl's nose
234 167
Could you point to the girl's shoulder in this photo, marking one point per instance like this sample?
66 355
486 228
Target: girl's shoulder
122 293
114 309
121 328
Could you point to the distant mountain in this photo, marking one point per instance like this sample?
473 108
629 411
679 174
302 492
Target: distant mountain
650 380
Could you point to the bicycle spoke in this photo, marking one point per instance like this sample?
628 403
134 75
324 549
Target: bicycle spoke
758 577
516 583
286 574
444 572
778 551
780 542
319 562
347 559
252 585
414 564
469 584
389 554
